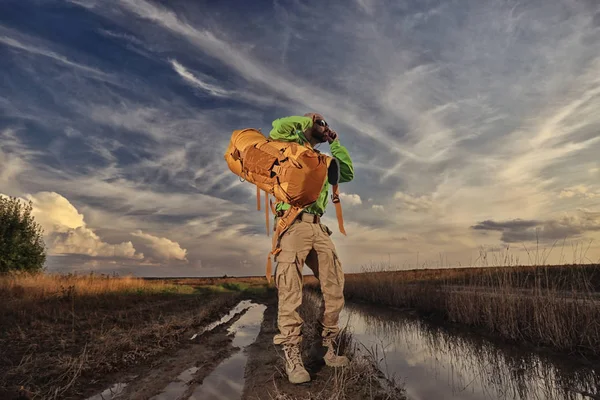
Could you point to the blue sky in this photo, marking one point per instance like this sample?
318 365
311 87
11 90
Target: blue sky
473 126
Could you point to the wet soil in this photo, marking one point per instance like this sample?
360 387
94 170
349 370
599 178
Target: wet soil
177 374
266 378
205 355
203 346
73 347
236 359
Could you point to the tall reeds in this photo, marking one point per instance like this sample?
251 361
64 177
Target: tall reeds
553 306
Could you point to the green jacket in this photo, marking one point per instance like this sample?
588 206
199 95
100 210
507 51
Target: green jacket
291 129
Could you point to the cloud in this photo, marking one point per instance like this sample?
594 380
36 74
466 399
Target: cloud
351 199
11 42
568 226
66 231
10 167
84 241
195 81
517 224
251 69
15 157
123 36
378 207
84 3
413 203
55 213
162 248
579 191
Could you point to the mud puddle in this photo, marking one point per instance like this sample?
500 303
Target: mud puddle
434 362
212 361
227 380
177 388
240 307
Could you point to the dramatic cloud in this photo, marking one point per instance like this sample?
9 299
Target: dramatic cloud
163 248
66 231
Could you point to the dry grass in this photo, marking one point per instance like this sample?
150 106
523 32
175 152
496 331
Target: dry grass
216 281
555 307
59 334
19 287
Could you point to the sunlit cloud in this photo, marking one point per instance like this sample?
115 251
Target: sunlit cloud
163 248
351 199
67 233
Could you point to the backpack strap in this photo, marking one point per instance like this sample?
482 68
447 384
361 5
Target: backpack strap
335 197
283 224
267 208
257 198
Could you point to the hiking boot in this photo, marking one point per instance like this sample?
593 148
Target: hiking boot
293 364
331 358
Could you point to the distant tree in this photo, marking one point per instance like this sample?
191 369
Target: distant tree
21 242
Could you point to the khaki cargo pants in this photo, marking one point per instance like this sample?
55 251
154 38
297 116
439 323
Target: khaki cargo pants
307 242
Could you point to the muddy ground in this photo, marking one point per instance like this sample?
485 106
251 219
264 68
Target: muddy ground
212 366
204 346
265 371
63 347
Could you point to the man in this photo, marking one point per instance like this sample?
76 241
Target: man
307 241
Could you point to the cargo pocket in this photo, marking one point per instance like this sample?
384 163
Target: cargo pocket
286 271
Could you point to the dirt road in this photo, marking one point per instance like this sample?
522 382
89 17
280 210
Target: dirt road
234 358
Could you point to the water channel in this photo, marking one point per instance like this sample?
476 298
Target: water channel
431 361
435 362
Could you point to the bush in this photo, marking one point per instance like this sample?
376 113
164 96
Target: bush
21 242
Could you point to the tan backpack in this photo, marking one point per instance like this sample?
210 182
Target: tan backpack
292 173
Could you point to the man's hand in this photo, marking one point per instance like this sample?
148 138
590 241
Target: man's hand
331 135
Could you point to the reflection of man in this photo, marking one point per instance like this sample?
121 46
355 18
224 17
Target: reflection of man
307 240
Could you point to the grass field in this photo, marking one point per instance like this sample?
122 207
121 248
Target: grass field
552 306
58 330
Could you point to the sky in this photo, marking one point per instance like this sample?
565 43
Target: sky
473 127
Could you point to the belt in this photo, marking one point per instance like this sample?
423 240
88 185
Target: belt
312 218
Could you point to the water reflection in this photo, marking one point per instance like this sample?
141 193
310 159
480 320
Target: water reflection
436 363
226 382
178 387
240 307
